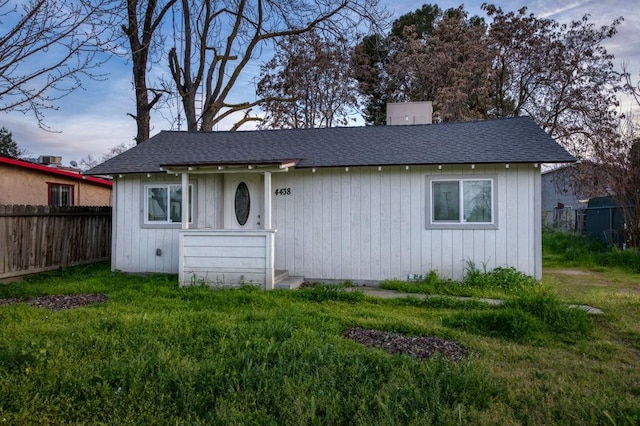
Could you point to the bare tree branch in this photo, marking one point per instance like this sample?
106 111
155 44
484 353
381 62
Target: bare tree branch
220 57
48 49
144 18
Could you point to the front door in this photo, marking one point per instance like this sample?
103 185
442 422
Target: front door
243 201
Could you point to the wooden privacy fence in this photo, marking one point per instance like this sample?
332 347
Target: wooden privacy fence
42 238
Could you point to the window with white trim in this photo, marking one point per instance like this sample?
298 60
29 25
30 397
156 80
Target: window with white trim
163 204
462 201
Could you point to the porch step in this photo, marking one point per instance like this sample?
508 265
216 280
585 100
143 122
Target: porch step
289 283
280 275
282 280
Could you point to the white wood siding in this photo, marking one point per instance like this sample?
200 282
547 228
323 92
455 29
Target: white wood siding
134 245
226 258
364 224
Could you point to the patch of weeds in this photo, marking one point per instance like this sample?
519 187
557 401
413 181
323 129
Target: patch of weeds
26 355
499 282
509 280
506 323
571 249
438 302
570 324
430 283
324 293
527 319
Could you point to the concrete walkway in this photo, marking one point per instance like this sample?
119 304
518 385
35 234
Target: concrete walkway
392 294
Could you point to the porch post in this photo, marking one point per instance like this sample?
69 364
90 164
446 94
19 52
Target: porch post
267 200
270 260
185 200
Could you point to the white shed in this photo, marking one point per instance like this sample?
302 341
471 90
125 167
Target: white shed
362 203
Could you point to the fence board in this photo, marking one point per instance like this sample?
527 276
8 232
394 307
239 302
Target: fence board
40 238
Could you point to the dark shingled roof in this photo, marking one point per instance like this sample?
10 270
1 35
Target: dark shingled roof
507 140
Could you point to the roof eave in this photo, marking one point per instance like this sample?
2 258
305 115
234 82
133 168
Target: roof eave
230 167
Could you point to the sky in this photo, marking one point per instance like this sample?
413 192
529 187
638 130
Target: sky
94 118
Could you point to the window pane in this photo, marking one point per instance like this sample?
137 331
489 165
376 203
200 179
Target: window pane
54 195
176 203
477 200
60 195
157 204
190 203
242 203
446 201
65 195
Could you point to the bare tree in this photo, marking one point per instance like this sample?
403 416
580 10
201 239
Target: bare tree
560 75
143 32
307 84
618 158
90 161
222 37
47 47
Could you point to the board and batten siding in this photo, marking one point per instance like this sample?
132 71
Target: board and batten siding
362 224
365 224
220 257
134 245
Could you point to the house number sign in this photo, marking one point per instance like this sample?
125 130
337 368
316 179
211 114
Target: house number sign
283 191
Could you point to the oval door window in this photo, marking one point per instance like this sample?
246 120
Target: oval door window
242 203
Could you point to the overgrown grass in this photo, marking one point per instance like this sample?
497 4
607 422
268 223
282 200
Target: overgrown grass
499 282
155 353
573 250
532 318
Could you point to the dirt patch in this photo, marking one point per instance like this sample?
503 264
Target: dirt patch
419 346
59 302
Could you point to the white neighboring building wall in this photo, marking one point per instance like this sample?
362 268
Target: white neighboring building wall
359 223
409 113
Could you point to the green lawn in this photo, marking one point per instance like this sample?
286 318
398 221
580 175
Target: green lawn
154 353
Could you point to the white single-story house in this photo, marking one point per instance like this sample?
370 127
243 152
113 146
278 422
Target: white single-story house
356 203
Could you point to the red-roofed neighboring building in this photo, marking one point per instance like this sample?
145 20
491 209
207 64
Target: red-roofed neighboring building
26 183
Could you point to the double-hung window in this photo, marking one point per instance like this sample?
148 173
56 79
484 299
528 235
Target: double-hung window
461 203
163 204
60 195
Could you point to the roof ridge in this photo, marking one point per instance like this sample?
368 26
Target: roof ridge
311 129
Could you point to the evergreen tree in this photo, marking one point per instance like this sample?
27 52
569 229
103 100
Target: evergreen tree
8 147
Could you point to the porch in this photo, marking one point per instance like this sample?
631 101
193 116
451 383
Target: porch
242 251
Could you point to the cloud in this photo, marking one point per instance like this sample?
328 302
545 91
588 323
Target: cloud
88 122
93 120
